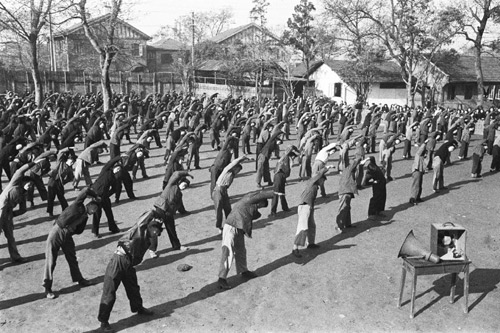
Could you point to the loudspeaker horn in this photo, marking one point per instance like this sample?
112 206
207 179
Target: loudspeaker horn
412 248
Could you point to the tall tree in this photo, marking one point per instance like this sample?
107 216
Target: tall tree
357 36
411 31
26 19
478 14
300 33
259 11
107 48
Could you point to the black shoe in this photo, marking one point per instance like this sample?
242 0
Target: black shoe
287 210
106 327
272 214
223 284
413 201
249 275
19 260
145 177
197 167
96 235
84 283
313 246
420 200
114 230
145 312
296 253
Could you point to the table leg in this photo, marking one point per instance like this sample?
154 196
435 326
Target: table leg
453 286
466 288
403 277
413 292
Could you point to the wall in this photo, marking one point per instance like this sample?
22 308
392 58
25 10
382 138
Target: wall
390 96
325 80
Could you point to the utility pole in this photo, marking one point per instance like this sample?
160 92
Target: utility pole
192 47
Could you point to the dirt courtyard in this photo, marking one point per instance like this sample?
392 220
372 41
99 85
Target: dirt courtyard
350 284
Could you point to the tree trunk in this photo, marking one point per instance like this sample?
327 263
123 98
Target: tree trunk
479 76
307 77
106 60
35 73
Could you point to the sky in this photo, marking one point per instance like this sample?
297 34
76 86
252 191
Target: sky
149 15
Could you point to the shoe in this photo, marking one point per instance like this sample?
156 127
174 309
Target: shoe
117 201
51 214
389 179
135 178
287 210
350 226
271 214
338 231
182 248
20 260
313 246
96 235
84 283
32 204
153 254
106 327
133 198
413 201
197 167
49 294
296 253
249 275
145 177
114 230
270 184
223 284
145 312
420 200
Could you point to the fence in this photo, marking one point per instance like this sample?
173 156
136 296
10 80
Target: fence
123 82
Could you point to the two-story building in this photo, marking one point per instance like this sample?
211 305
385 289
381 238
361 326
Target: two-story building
75 53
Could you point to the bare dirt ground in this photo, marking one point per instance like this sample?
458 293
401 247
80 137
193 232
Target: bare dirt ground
350 284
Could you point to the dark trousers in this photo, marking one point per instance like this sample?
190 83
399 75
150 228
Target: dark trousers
60 239
96 218
464 147
139 164
416 185
114 150
245 146
127 182
168 220
38 182
407 149
119 270
495 161
54 190
476 164
274 203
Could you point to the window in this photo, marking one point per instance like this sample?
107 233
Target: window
469 91
166 59
451 92
337 90
392 85
78 46
135 49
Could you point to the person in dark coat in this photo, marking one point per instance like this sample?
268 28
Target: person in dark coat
440 157
72 221
129 253
347 189
238 225
170 201
418 170
14 194
58 177
374 176
477 158
102 187
281 173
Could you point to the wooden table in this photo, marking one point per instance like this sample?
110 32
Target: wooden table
418 267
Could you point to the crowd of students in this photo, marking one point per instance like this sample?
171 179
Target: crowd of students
39 142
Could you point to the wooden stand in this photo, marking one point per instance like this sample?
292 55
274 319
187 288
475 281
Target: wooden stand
418 267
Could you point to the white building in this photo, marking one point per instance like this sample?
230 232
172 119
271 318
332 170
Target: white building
388 86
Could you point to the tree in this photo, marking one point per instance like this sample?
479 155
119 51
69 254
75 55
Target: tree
357 35
259 11
300 33
107 48
26 19
207 25
412 31
479 13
